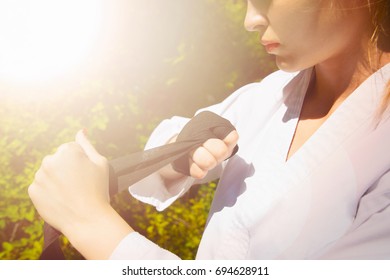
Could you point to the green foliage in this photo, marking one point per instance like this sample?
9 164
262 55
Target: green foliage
178 228
186 63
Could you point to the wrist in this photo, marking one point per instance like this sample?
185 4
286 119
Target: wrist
167 173
98 236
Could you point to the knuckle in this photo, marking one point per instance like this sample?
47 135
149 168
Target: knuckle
32 191
221 153
204 159
68 147
232 138
46 162
217 149
196 172
209 163
69 150
39 176
63 147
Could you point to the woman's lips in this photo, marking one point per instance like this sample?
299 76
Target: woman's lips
270 46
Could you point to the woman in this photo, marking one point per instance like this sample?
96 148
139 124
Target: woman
312 176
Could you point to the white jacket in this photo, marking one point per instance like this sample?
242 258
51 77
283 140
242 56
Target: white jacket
329 200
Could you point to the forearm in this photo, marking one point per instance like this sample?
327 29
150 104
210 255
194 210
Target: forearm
97 238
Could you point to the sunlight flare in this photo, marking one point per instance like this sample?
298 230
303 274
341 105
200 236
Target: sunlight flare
43 39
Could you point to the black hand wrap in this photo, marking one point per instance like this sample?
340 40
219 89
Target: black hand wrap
127 170
204 126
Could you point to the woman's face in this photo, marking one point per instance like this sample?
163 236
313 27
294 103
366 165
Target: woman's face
303 33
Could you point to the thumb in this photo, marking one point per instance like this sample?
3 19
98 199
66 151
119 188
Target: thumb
88 148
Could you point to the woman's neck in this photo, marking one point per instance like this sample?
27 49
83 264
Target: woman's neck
338 77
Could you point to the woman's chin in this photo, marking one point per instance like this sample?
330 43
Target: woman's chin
289 65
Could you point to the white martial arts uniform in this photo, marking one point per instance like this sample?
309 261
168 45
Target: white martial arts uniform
329 200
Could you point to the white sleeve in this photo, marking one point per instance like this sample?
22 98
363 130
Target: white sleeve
137 247
369 236
152 189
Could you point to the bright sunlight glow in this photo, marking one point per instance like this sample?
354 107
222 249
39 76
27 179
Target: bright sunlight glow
42 39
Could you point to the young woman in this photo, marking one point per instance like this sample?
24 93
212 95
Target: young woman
312 177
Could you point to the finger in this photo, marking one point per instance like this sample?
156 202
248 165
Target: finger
88 148
231 139
204 159
67 150
195 171
47 163
217 148
40 177
33 191
47 172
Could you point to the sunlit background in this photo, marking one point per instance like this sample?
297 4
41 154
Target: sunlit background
117 68
43 39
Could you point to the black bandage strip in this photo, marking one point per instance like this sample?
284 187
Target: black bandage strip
127 170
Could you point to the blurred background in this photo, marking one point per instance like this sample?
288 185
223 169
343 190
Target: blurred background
116 68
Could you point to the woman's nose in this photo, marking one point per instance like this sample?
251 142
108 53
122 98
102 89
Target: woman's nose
255 20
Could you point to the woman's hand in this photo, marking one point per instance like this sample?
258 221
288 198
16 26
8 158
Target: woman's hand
204 158
70 192
71 184
210 154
